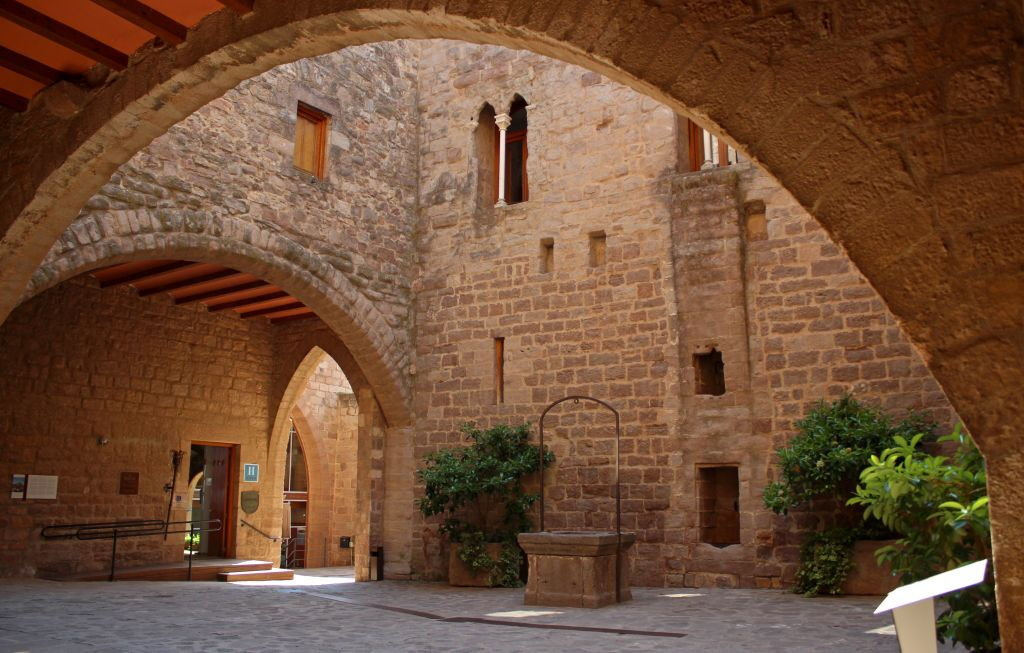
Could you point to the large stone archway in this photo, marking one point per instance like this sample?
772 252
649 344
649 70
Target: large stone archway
898 125
348 317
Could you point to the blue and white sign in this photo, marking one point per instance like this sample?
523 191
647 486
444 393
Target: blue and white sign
250 472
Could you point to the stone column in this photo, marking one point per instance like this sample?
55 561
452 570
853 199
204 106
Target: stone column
1005 469
364 495
502 120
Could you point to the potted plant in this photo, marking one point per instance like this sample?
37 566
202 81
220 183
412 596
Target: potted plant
822 463
479 490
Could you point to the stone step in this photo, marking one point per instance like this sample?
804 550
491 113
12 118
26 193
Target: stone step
264 574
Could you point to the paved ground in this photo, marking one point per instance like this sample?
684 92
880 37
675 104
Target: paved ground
320 611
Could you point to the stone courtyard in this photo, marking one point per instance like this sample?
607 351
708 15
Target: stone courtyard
325 610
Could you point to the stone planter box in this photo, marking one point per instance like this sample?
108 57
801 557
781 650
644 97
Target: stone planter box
866 577
574 568
460 575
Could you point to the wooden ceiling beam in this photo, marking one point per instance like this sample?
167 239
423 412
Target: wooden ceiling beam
248 301
240 7
27 67
149 19
141 275
220 292
297 316
186 283
273 309
58 32
12 101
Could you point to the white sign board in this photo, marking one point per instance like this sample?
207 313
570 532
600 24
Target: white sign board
41 487
913 606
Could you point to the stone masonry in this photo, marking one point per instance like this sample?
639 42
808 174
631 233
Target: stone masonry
399 242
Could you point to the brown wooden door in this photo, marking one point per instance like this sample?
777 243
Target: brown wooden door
218 478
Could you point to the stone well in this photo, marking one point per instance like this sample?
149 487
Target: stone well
575 568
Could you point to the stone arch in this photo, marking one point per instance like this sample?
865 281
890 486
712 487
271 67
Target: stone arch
245 246
898 127
859 135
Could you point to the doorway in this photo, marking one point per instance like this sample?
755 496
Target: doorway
296 504
215 468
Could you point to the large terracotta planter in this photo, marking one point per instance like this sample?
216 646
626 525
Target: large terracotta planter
867 577
459 573
575 568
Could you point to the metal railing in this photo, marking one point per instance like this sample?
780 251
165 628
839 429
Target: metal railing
132 528
264 534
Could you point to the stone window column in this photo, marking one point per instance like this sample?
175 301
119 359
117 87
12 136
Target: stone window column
502 120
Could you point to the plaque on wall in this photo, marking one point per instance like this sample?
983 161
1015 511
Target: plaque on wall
250 473
250 501
129 483
41 487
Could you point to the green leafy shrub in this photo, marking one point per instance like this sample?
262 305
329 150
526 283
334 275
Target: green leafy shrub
833 443
825 560
479 490
940 508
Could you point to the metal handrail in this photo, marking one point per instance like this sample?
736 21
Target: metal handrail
131 528
269 537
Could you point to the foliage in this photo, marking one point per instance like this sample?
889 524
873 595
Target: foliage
940 508
192 539
479 490
825 560
834 442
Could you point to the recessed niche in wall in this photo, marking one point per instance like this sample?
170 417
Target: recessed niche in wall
710 373
499 370
718 494
598 246
547 255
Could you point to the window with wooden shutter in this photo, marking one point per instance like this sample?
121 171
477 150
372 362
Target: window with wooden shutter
310 139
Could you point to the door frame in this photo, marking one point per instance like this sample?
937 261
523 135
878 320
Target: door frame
231 509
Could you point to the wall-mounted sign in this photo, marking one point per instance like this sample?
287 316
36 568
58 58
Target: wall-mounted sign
41 487
250 472
179 499
129 483
18 486
250 501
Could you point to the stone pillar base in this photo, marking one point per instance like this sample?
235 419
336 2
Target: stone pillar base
575 568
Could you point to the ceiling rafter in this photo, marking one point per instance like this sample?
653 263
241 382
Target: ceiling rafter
148 18
185 283
289 318
273 309
220 292
27 67
142 275
238 6
12 101
248 301
58 32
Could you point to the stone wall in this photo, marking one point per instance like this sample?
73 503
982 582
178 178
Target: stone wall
83 365
721 259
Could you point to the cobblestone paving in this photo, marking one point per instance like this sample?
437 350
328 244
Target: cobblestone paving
305 614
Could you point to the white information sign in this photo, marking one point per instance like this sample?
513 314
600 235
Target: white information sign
913 606
41 487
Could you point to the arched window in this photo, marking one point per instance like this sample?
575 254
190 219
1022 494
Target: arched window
486 144
513 165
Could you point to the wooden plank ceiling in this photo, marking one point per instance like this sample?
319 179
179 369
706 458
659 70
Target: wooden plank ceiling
42 41
214 286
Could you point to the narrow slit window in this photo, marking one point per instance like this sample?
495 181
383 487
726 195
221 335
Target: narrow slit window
499 370
547 255
710 372
310 139
718 492
598 248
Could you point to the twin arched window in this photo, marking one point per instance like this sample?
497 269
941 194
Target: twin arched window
501 148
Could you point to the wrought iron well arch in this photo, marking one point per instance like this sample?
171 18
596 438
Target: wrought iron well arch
618 495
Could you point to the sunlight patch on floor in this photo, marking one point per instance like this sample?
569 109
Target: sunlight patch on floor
884 630
519 614
680 596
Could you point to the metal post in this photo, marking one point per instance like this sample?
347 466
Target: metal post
113 555
618 493
191 545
